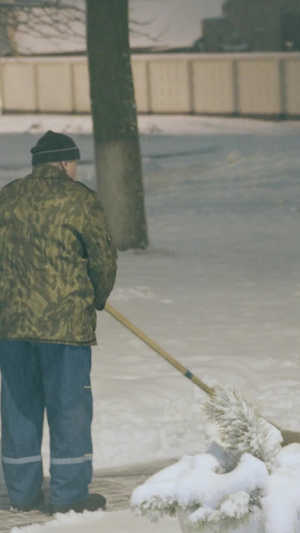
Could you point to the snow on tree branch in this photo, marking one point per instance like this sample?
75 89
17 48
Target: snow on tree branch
241 427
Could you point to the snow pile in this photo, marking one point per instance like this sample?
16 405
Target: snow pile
62 520
100 521
227 485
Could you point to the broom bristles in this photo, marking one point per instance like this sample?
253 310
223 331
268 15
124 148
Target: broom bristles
241 427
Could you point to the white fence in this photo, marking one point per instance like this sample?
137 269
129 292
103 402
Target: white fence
220 84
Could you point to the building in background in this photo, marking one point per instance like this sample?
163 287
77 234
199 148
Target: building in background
253 25
290 23
213 31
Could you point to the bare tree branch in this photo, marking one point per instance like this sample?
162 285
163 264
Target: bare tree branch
56 22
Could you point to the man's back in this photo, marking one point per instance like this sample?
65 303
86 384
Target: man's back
46 291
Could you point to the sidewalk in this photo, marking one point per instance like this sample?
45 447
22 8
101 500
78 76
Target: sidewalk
115 484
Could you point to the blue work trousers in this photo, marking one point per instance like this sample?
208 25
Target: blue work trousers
36 377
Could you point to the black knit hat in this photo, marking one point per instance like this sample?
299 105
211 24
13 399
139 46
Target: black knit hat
54 147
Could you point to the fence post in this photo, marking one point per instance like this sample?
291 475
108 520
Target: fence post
235 87
191 85
1 87
282 87
36 86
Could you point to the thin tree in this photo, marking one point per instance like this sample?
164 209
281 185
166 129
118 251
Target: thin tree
117 149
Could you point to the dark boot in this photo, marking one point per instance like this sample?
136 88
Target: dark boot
92 503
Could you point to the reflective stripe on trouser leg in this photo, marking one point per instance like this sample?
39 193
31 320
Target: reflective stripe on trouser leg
22 412
69 479
68 398
23 477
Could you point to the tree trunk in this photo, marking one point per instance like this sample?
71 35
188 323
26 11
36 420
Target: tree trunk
117 149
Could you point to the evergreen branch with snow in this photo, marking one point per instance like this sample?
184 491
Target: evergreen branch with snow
232 511
241 427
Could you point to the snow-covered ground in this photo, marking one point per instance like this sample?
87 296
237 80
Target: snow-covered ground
219 287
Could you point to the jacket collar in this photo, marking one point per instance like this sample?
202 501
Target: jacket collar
49 171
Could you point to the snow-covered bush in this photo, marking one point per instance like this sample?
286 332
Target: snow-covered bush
232 481
200 484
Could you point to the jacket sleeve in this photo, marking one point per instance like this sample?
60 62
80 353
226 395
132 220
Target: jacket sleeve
101 253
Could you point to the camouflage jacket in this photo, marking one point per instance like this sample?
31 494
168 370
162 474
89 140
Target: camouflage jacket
57 260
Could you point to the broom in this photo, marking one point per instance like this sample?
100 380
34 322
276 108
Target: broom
287 435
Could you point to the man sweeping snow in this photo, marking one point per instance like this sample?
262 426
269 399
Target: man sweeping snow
58 265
